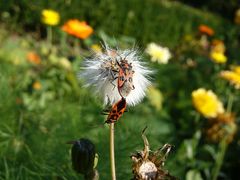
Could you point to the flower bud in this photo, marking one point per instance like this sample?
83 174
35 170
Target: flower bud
83 156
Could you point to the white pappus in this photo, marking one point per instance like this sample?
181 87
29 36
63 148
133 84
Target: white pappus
102 72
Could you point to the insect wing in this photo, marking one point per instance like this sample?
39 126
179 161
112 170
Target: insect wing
117 111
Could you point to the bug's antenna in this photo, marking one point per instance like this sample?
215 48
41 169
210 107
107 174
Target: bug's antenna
130 51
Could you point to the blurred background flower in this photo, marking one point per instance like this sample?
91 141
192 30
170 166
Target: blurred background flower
221 127
237 17
33 57
232 76
155 97
37 85
207 103
77 28
50 17
218 57
158 53
217 51
204 29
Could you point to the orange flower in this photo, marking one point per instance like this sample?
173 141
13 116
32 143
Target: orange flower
37 85
206 30
33 57
77 28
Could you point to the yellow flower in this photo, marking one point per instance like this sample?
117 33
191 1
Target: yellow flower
155 97
96 48
50 17
37 85
232 77
207 103
64 63
218 57
236 69
218 46
158 53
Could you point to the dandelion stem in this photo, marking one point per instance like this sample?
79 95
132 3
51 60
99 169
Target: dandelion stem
112 157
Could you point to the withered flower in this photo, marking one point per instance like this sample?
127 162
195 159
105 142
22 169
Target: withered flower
148 165
223 126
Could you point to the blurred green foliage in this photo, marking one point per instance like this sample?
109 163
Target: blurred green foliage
37 121
145 20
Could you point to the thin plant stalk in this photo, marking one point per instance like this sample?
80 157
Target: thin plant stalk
76 45
230 102
223 145
49 35
219 159
112 156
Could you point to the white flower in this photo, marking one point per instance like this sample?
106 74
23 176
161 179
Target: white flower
102 72
158 53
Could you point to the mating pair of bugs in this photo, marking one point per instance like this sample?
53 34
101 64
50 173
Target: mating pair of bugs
123 72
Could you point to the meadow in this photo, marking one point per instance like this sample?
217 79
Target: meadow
192 102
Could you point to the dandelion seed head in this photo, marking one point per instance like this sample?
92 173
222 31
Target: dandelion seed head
102 72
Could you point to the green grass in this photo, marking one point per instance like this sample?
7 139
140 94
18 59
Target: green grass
145 20
36 142
33 141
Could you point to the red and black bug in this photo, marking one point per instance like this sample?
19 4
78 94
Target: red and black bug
125 78
116 111
119 68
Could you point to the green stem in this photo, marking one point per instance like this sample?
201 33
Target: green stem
76 46
219 159
230 102
49 35
112 157
223 144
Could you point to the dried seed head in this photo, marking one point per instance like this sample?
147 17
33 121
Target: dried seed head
148 165
223 126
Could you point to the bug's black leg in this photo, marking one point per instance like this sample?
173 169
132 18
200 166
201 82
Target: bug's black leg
111 72
113 83
105 113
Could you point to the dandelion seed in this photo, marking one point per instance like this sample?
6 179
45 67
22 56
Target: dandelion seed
102 72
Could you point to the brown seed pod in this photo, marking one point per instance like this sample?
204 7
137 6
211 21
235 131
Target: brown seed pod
148 165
